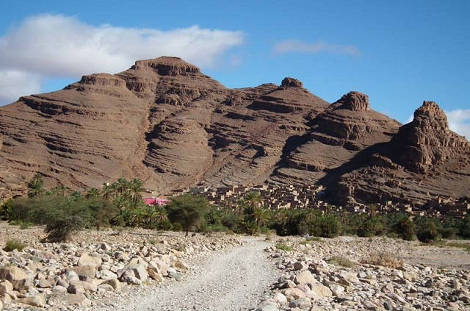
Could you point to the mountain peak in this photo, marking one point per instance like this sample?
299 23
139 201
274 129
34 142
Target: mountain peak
291 82
167 66
354 101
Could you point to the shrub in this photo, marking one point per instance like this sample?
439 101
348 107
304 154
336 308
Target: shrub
464 230
427 232
284 247
371 226
11 245
316 224
405 228
341 261
187 210
384 259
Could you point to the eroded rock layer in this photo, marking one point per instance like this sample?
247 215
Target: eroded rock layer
165 122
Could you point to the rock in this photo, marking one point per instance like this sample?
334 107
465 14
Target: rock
293 293
291 82
107 275
35 301
172 273
348 278
105 287
299 265
85 271
301 303
114 283
71 275
89 260
140 271
59 289
76 288
129 277
159 266
354 101
5 287
155 275
180 265
280 298
105 247
320 290
336 289
305 277
16 276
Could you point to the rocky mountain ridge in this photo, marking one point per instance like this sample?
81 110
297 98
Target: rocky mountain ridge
165 122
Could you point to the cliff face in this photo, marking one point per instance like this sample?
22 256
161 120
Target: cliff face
165 122
423 160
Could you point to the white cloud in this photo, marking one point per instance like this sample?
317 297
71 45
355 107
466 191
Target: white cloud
459 121
295 46
16 83
61 46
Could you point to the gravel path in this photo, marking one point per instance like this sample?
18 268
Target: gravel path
233 280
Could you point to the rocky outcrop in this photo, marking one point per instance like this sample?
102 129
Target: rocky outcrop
335 136
291 82
424 160
427 142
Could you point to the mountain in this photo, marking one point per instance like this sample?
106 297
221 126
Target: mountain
167 123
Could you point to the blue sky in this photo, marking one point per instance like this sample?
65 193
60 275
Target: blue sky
398 52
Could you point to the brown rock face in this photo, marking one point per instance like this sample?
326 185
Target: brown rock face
427 141
423 160
165 122
335 137
354 101
291 82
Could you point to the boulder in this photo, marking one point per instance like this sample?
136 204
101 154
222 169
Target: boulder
305 277
89 260
16 276
320 290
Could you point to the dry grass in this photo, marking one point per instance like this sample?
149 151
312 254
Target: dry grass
384 259
341 261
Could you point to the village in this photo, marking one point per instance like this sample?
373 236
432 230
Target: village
277 197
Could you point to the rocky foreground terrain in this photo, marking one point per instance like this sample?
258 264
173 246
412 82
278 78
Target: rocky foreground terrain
145 270
350 273
165 122
97 268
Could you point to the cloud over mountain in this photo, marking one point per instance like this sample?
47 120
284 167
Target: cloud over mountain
48 46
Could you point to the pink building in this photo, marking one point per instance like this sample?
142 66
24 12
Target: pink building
156 201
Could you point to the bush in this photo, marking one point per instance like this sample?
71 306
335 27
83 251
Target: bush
464 230
371 226
405 228
341 261
427 232
187 210
383 259
316 224
11 245
284 247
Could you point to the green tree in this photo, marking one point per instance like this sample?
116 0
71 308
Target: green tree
187 210
36 186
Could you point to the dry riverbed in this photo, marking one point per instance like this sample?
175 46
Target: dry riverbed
350 273
148 270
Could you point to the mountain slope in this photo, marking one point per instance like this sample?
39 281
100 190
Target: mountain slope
167 123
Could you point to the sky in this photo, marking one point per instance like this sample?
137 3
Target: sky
398 52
